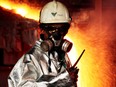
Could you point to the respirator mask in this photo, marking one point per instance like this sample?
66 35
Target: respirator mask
55 37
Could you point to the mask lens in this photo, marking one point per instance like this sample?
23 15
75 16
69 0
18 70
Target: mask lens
56 27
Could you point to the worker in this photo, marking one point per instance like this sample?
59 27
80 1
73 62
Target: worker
47 63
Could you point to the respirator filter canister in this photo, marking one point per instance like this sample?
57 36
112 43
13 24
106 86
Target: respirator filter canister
47 45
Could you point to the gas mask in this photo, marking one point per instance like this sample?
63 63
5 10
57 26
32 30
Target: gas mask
55 39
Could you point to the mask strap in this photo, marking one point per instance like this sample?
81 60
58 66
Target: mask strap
61 57
49 62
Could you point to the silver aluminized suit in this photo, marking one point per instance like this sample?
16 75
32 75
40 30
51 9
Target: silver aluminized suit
32 70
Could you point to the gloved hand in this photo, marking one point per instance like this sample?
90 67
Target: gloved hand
73 72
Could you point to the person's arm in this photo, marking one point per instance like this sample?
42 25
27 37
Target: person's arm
26 74
73 71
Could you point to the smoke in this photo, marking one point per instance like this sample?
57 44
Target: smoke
96 34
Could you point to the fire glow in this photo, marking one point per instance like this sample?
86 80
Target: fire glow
22 9
93 68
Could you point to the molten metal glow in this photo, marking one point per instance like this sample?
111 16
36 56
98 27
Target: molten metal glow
93 66
5 5
22 9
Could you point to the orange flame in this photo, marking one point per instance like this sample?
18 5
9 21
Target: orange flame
22 9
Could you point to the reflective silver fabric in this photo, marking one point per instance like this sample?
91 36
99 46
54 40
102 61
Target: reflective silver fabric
32 70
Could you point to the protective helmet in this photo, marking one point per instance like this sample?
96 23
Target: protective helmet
54 12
